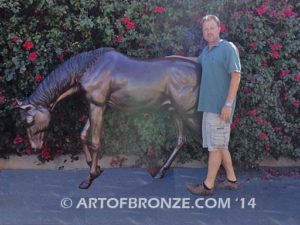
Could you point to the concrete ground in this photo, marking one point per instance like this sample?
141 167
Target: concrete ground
267 196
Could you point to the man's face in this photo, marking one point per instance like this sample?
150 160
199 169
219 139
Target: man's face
211 31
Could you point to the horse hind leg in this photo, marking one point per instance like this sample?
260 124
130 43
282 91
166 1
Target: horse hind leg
181 139
194 124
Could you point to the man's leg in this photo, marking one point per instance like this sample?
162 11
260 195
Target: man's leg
214 163
207 187
227 164
231 181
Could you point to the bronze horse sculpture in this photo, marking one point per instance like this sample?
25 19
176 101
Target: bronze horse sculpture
111 79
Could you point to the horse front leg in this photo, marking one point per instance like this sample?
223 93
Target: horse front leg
180 141
93 144
83 137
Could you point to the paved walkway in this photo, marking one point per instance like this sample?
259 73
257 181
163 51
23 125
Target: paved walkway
130 196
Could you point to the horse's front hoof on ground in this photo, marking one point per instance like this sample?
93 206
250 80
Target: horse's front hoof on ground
89 180
86 183
98 173
153 170
159 175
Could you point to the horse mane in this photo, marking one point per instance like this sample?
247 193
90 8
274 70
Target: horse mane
64 77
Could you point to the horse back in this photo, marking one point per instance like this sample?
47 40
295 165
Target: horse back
133 83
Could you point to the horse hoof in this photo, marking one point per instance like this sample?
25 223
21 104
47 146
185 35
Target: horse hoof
99 171
85 184
97 174
159 175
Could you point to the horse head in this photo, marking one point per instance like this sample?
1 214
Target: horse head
36 119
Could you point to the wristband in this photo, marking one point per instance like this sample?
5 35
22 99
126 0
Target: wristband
229 104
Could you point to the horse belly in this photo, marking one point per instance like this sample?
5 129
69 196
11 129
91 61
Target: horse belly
136 99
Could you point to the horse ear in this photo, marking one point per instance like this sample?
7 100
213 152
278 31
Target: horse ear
20 105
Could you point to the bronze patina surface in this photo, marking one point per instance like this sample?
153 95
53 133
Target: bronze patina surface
111 79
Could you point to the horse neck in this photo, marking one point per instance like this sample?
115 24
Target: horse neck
51 88
61 79
65 77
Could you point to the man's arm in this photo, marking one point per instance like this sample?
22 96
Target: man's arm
233 88
194 59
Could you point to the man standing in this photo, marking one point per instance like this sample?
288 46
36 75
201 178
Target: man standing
221 73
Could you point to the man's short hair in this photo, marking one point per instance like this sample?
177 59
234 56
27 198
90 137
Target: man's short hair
211 17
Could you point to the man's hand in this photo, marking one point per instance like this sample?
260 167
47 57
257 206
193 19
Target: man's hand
225 113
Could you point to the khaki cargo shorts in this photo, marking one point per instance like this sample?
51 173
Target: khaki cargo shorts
215 132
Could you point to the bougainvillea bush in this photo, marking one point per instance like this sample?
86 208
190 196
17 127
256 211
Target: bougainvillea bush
37 36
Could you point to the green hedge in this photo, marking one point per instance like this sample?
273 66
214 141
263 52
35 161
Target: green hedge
37 36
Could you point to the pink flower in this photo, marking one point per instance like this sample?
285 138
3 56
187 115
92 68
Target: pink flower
259 120
267 147
247 90
252 112
248 30
275 55
33 56
223 27
297 77
253 44
18 140
14 39
114 162
129 25
28 45
277 129
38 78
158 9
83 118
264 63
276 46
288 12
29 150
262 136
284 73
118 38
296 103
126 19
45 154
236 121
262 9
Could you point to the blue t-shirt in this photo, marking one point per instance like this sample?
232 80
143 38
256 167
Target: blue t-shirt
217 65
